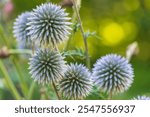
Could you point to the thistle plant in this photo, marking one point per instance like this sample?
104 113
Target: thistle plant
141 98
49 24
47 66
77 82
20 28
113 74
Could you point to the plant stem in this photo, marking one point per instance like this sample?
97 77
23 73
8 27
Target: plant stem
31 90
20 51
54 86
3 36
55 89
74 16
33 45
10 84
21 78
110 96
83 35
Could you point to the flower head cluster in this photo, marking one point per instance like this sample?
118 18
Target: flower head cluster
20 28
141 98
47 66
113 74
49 24
76 83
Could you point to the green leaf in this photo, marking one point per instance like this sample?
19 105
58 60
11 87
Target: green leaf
91 34
77 52
75 27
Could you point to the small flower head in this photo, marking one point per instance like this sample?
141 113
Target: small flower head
76 83
49 24
141 98
113 74
47 66
20 27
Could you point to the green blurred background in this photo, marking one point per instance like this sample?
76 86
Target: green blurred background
118 23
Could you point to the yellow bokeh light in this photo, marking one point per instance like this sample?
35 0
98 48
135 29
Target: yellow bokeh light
112 34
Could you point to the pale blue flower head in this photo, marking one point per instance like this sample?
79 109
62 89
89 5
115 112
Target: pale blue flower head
49 24
20 28
141 98
77 82
47 66
113 74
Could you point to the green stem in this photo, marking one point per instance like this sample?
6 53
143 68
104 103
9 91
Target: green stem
10 84
23 84
74 16
3 36
110 96
83 35
31 90
20 51
55 89
33 48
53 84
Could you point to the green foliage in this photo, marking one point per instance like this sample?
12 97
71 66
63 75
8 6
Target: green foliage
77 52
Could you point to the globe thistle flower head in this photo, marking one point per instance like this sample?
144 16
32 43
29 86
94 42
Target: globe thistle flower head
49 24
141 98
113 74
47 66
76 83
20 28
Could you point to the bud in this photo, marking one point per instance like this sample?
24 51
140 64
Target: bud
4 53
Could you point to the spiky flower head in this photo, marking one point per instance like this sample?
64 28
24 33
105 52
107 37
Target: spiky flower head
113 74
47 66
20 28
141 98
49 24
77 82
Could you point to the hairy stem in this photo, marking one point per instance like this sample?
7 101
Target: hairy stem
83 35
110 96
33 45
74 16
20 51
10 84
55 89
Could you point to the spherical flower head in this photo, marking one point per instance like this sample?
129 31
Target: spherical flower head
20 28
47 66
76 83
141 98
113 74
49 24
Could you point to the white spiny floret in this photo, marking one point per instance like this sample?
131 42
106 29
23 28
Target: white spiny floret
20 28
113 74
47 66
76 83
141 98
49 24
